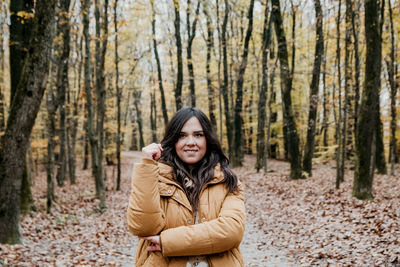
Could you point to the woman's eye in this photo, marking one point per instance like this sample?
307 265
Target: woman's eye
199 135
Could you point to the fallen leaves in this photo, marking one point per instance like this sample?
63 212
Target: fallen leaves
314 224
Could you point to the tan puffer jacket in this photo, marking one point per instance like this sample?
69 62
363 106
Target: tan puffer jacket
158 205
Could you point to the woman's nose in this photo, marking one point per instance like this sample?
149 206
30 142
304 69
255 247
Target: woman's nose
191 140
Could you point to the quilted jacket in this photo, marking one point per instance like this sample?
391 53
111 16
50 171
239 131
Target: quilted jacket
159 206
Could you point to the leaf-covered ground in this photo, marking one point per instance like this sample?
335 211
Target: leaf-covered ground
289 223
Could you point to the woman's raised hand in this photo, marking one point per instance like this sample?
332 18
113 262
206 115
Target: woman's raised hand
152 151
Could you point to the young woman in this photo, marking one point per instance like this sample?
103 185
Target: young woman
186 204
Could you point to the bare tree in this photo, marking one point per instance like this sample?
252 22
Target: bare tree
24 109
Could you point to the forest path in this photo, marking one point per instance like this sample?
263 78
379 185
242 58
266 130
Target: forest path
254 249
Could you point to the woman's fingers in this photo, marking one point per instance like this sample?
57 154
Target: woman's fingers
154 242
152 151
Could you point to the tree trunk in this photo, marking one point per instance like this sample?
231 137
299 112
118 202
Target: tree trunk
266 40
380 148
23 111
179 80
62 85
314 87
88 89
355 22
160 81
339 167
119 95
324 129
20 34
2 83
225 85
101 47
191 30
139 119
210 88
51 130
364 171
153 116
393 91
238 119
286 88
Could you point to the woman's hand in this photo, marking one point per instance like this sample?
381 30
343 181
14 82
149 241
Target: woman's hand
152 151
154 242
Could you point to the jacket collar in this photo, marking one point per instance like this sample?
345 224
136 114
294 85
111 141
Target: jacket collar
166 175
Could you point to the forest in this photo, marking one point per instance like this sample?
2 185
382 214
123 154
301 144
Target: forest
304 96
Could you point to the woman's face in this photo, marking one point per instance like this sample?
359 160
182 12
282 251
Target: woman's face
192 144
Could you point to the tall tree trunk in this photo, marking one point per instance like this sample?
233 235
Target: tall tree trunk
286 88
101 46
153 116
2 70
119 95
139 120
73 121
51 129
314 87
366 135
238 120
62 85
23 111
21 29
160 81
262 99
91 135
210 88
393 91
225 85
380 148
355 22
191 30
179 80
220 85
339 167
324 129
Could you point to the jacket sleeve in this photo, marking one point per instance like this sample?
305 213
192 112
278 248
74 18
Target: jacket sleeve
145 217
215 236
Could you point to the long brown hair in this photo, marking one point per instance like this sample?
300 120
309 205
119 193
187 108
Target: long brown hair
203 171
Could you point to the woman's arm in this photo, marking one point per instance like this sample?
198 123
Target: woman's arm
145 217
218 235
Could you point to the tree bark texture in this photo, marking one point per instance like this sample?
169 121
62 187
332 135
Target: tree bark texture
286 88
238 119
339 167
225 84
179 79
119 95
380 148
62 85
262 99
101 44
159 72
393 91
24 109
314 87
366 130
210 88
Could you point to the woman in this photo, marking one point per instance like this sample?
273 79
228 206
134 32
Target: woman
186 205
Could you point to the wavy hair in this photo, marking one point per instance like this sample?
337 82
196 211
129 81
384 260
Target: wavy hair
203 171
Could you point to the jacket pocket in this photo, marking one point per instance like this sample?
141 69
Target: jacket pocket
155 259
